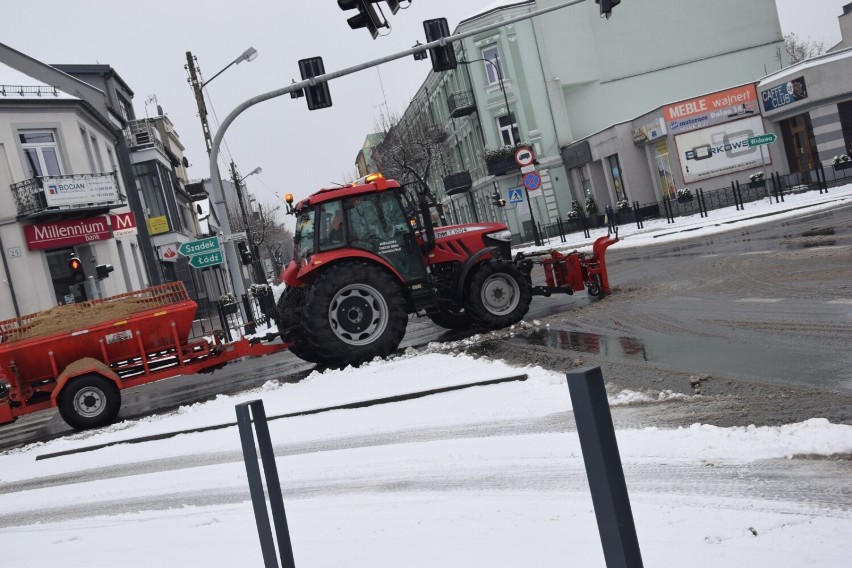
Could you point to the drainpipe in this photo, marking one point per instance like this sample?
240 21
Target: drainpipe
9 280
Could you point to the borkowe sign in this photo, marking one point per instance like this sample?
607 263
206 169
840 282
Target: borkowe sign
66 233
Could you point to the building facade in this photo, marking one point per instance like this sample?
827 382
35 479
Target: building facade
553 82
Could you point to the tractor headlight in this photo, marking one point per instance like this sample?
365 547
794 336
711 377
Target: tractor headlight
504 235
502 240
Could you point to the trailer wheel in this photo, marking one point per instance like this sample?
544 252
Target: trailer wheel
354 312
89 401
289 321
594 288
498 294
458 319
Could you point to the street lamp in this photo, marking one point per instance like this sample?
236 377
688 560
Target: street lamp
510 116
218 202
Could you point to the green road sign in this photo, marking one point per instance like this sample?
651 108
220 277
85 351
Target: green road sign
207 259
762 139
199 247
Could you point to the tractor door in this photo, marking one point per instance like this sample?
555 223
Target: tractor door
377 223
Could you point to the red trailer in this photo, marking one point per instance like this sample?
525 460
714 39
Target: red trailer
79 357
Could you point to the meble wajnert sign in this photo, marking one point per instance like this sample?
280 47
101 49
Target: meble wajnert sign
71 190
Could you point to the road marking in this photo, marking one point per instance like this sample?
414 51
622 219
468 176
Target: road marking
760 300
844 302
756 252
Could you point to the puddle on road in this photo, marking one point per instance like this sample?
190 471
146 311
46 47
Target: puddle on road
700 355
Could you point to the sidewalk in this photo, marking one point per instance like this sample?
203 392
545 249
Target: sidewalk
717 221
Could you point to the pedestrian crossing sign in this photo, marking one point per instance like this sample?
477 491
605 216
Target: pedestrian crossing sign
516 195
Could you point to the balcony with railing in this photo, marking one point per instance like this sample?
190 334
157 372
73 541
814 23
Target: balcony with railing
46 195
461 103
142 134
458 182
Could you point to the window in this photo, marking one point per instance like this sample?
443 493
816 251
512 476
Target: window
99 161
508 129
41 155
303 240
493 69
332 232
617 181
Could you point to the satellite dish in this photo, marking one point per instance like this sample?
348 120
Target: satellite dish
185 162
160 111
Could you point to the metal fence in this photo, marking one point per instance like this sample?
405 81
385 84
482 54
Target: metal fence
773 187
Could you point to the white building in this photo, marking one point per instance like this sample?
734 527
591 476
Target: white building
61 194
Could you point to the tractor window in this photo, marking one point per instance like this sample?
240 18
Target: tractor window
332 230
303 240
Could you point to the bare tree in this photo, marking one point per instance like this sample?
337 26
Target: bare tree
800 49
411 151
270 238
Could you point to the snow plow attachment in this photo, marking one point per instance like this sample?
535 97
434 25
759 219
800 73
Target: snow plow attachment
571 272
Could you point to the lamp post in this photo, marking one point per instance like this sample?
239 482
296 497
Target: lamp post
258 275
218 202
498 71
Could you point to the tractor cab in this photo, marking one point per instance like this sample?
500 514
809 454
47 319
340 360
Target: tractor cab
358 220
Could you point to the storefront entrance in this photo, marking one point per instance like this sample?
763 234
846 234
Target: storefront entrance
799 143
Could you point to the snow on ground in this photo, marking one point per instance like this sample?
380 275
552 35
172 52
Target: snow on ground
483 476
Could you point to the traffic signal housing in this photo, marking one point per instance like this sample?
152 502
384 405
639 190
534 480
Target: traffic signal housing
245 253
318 95
103 270
607 6
366 18
76 267
496 200
443 57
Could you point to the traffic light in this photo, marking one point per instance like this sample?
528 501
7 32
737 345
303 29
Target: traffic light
76 267
443 58
103 270
366 18
318 95
245 253
496 200
607 6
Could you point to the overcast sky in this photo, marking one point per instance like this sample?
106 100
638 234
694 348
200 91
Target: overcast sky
299 151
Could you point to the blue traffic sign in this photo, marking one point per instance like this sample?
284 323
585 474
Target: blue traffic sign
532 180
516 195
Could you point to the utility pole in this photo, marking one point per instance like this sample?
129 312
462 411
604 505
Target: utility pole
258 275
218 198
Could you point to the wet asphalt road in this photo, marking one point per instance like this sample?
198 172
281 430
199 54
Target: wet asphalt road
771 303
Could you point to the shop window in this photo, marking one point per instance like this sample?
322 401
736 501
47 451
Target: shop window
617 181
845 111
65 289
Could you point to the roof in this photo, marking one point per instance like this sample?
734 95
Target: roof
807 64
15 85
92 69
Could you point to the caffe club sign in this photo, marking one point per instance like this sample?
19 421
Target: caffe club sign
69 233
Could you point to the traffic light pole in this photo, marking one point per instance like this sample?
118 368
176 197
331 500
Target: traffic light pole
327 77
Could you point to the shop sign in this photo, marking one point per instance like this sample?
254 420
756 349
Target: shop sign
648 132
73 190
123 224
784 94
158 225
66 233
577 154
168 253
720 150
708 110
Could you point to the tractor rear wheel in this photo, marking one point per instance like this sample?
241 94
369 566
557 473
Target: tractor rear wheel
289 321
354 312
498 294
89 401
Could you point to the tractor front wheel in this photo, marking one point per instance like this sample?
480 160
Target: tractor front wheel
289 321
354 312
498 294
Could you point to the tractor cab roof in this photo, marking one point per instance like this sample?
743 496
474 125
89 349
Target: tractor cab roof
366 185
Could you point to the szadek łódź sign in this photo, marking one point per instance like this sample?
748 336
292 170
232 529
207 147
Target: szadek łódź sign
202 253
207 259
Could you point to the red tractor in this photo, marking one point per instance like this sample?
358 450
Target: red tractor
362 265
